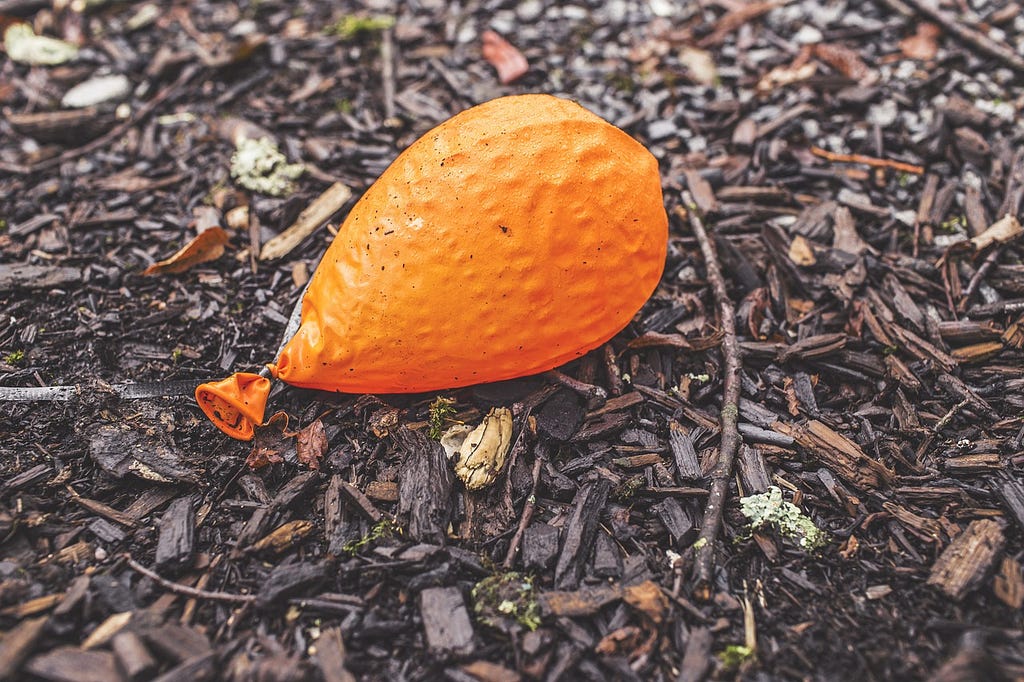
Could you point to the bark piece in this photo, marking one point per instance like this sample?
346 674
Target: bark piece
677 521
560 416
684 454
697 658
177 642
607 559
132 655
296 490
70 664
580 531
540 545
18 643
446 620
290 580
575 603
753 470
966 561
330 657
1011 492
24 276
175 547
839 453
425 487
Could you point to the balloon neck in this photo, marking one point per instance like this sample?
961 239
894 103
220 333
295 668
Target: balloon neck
235 405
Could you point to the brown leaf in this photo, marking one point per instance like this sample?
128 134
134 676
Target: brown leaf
311 444
922 45
268 443
503 56
647 598
206 246
844 60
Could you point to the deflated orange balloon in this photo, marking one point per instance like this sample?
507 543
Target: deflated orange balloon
511 239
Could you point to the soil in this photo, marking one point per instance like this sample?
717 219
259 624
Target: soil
852 161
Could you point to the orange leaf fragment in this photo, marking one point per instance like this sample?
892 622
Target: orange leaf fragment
206 246
921 46
311 444
503 56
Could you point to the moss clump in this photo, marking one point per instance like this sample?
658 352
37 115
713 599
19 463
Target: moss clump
258 165
441 412
352 25
769 509
735 655
382 530
506 601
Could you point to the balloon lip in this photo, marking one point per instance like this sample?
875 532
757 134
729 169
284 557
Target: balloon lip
235 405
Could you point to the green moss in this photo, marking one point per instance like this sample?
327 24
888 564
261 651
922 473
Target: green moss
353 25
441 411
735 655
382 530
14 357
506 601
628 489
769 509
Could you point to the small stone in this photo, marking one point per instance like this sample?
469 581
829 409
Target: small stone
97 91
659 130
807 35
530 10
883 114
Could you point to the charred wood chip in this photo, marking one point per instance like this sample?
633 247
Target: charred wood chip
175 547
683 452
1011 492
177 642
290 580
560 416
446 621
540 545
71 664
607 558
677 521
752 469
580 531
132 655
425 486
297 489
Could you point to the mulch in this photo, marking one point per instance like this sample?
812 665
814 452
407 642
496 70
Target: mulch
858 168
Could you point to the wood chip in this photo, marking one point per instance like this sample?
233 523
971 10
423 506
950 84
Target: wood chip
17 643
315 215
963 565
446 621
580 532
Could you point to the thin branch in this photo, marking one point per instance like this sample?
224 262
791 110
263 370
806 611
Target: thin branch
872 161
185 590
704 548
528 508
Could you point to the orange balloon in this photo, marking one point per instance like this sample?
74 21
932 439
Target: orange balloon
509 240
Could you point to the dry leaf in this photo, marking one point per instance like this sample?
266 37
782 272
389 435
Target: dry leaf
311 444
206 246
269 442
800 252
782 76
647 598
845 61
503 56
922 45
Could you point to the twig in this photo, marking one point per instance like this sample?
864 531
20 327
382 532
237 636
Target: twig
114 133
867 160
387 72
588 391
976 280
185 590
704 547
961 30
528 508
